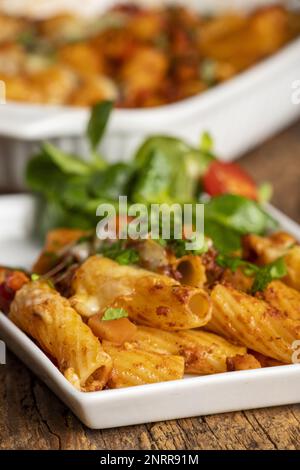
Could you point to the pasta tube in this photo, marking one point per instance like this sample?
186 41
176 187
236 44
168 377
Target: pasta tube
47 317
292 261
192 271
133 366
283 298
204 353
150 299
254 323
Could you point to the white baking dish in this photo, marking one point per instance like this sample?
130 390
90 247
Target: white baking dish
193 396
240 113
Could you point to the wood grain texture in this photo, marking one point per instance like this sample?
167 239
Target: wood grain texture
31 417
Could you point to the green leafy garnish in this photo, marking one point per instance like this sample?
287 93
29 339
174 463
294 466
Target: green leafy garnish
206 143
265 192
119 252
263 275
239 214
98 122
162 242
128 256
35 277
69 164
233 263
168 170
72 188
164 170
112 181
225 240
114 314
268 273
162 174
228 217
179 248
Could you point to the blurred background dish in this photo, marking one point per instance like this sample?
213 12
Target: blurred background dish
140 57
167 59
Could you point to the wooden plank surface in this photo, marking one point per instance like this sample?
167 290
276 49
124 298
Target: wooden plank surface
31 417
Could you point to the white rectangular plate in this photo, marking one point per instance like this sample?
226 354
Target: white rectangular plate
192 396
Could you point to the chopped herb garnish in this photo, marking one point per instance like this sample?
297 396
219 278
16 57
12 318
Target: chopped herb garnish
263 275
114 314
179 248
119 252
268 273
206 142
129 256
161 242
35 277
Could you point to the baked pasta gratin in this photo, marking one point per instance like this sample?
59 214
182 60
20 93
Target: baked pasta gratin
109 324
138 57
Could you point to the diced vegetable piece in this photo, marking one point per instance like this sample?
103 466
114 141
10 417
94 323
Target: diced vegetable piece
117 331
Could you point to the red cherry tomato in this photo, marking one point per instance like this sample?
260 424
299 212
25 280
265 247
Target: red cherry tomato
6 297
228 178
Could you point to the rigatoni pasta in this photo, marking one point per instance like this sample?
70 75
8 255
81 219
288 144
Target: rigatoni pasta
267 249
292 260
283 298
150 299
132 366
48 318
254 323
191 270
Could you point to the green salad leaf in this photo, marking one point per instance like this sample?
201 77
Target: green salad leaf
161 173
225 239
68 164
112 181
168 170
164 170
98 121
154 181
239 213
207 143
43 176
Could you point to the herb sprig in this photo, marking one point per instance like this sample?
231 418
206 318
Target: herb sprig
263 275
114 314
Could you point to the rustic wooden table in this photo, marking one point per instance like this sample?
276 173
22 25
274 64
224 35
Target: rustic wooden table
31 417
